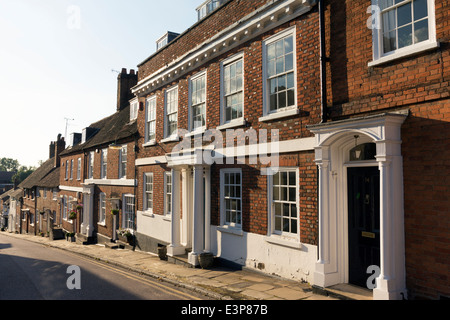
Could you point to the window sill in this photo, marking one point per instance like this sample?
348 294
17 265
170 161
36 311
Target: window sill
147 214
149 143
231 230
232 124
285 242
174 138
103 224
405 52
195 132
279 114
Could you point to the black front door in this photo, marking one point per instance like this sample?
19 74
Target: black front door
363 222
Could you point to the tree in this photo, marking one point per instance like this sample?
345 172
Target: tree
8 164
23 173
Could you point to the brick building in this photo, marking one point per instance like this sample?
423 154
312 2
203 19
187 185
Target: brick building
304 139
97 172
36 209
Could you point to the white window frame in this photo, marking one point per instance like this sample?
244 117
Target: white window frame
380 57
223 220
104 164
67 170
150 118
102 208
123 162
64 207
55 193
191 106
271 206
289 110
147 192
126 214
71 169
134 109
79 169
167 201
174 135
224 124
91 165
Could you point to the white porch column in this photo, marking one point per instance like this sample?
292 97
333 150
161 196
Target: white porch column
208 209
175 248
87 227
197 236
390 285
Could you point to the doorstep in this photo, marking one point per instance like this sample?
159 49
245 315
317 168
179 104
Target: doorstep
345 291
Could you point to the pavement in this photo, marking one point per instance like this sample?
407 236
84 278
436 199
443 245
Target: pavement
218 283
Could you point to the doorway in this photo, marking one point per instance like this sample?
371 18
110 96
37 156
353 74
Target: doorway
363 222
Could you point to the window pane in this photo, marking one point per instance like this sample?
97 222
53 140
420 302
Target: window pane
276 178
282 100
273 102
292 192
286 210
284 194
293 226
279 51
291 98
420 9
276 193
284 178
288 47
405 36
389 41
271 51
389 21
289 62
404 15
421 31
280 65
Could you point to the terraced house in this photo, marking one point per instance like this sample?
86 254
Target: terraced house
97 179
304 139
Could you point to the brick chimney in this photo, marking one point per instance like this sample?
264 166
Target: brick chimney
59 146
125 81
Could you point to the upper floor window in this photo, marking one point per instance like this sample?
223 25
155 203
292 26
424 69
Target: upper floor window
123 162
232 89
198 102
405 26
207 7
67 170
71 169
279 85
79 169
171 121
91 165
150 127
134 109
104 164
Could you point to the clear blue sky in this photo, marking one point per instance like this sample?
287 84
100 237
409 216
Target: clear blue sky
56 62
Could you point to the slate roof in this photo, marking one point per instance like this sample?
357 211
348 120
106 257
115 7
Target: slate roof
110 129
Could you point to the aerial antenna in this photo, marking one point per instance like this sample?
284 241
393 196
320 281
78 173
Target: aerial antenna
112 70
67 123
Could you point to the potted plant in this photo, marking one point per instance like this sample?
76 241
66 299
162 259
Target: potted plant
72 215
79 207
115 212
70 236
125 235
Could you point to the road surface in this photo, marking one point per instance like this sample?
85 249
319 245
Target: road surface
30 271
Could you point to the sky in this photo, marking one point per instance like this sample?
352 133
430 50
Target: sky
59 60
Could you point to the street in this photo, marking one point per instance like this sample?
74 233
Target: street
30 271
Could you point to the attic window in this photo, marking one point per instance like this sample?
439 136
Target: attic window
165 40
207 7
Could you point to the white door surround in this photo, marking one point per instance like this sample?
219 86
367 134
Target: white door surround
334 140
195 228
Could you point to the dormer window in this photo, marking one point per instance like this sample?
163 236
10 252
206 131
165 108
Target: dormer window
165 39
207 7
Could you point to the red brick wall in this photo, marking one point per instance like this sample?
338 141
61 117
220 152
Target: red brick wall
420 83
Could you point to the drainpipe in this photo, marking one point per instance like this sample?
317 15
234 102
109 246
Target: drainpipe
323 63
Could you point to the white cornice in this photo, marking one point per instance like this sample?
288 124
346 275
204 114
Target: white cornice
260 21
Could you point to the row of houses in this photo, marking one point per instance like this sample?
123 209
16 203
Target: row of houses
306 139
